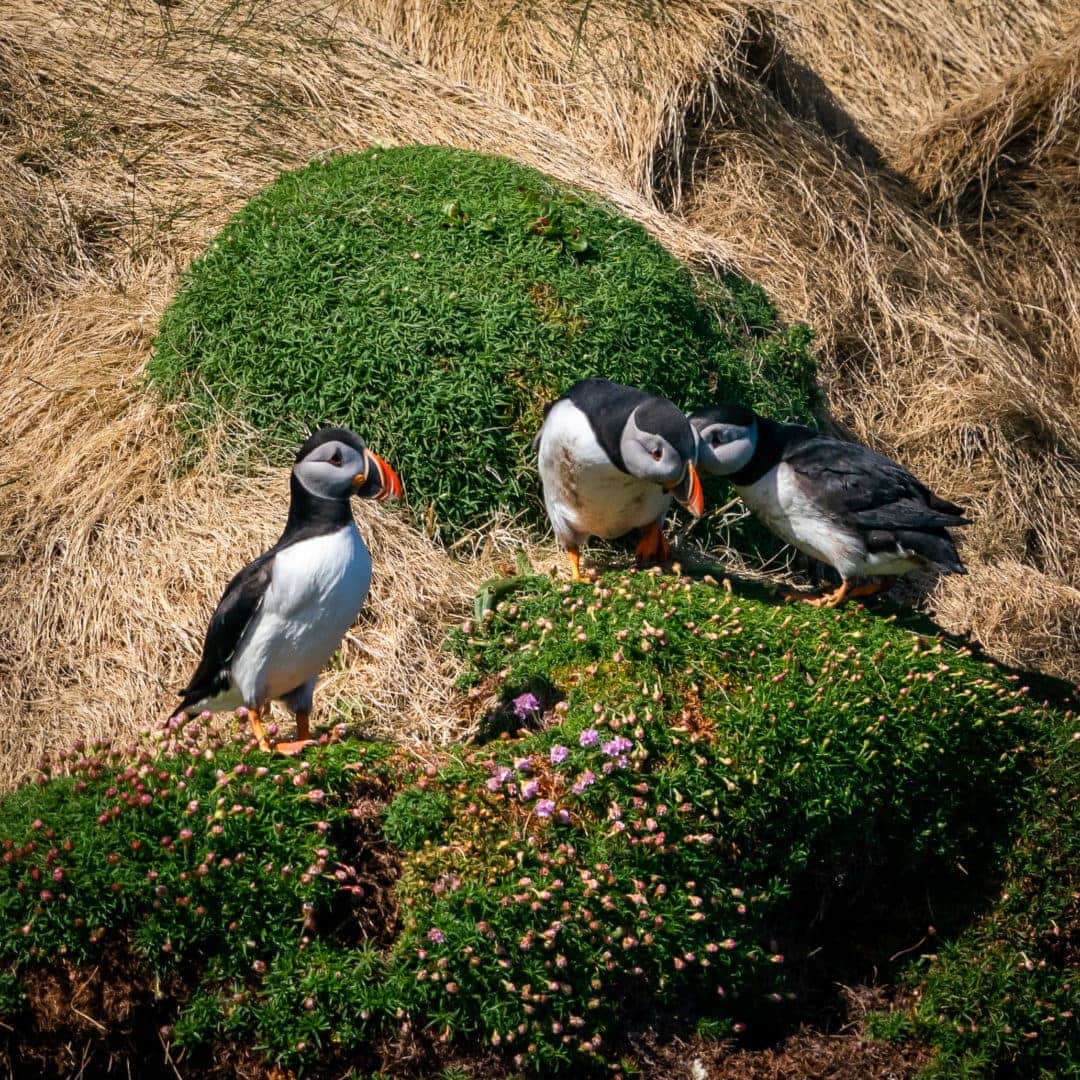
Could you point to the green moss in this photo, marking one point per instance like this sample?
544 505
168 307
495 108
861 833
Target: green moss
1004 995
704 774
435 300
416 815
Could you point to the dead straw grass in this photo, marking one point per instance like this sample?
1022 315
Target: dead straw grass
791 136
798 143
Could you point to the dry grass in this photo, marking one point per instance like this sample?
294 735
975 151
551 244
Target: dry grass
803 141
943 291
120 582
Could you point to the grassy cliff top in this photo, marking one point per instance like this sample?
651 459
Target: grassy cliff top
678 798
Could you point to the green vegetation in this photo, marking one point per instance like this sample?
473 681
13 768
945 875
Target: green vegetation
1006 993
435 300
701 774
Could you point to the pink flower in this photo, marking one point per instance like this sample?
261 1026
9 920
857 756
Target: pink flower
530 789
525 705
436 935
586 779
558 754
498 777
545 808
589 737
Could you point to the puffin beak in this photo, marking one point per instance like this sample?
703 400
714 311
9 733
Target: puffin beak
688 492
379 482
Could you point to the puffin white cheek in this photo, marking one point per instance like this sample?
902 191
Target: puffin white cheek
731 456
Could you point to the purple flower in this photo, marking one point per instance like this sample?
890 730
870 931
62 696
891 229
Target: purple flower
618 746
436 935
558 754
499 775
589 737
545 808
586 779
526 705
530 789
523 765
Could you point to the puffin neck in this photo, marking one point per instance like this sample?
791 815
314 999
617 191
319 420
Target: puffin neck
767 452
312 513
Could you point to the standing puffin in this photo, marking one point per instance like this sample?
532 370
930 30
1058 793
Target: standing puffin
611 458
839 502
281 618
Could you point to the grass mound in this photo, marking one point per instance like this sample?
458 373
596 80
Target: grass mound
436 299
699 775
1004 994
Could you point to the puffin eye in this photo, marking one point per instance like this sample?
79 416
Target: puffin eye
716 440
337 460
657 454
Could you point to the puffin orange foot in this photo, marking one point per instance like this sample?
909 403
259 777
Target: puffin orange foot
825 599
652 547
291 749
255 716
574 555
872 588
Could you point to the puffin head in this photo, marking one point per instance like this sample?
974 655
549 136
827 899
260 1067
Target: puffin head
657 444
727 437
334 463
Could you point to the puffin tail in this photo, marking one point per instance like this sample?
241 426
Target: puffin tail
935 546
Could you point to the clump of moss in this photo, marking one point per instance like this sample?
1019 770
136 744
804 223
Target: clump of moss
700 772
1003 996
435 300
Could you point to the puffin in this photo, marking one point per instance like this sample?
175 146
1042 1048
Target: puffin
839 502
611 459
281 617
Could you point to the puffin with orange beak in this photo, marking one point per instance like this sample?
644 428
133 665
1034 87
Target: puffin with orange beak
612 459
282 616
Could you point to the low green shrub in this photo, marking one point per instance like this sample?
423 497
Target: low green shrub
1004 997
716 761
700 770
435 300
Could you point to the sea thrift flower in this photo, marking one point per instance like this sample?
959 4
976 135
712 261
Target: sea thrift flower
558 754
545 808
586 779
498 777
617 746
436 935
589 737
525 705
530 789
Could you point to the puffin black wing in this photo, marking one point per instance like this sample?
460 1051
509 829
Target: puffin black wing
865 489
238 605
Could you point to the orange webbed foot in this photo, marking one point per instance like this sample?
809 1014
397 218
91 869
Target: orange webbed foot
825 599
291 749
653 547
574 555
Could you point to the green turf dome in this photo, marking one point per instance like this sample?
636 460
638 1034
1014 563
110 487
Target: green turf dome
435 299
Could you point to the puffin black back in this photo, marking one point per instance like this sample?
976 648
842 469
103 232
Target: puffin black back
607 406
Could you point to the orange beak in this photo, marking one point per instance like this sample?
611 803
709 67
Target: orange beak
688 492
380 482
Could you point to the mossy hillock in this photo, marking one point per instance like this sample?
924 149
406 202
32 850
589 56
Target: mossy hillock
435 299
697 777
